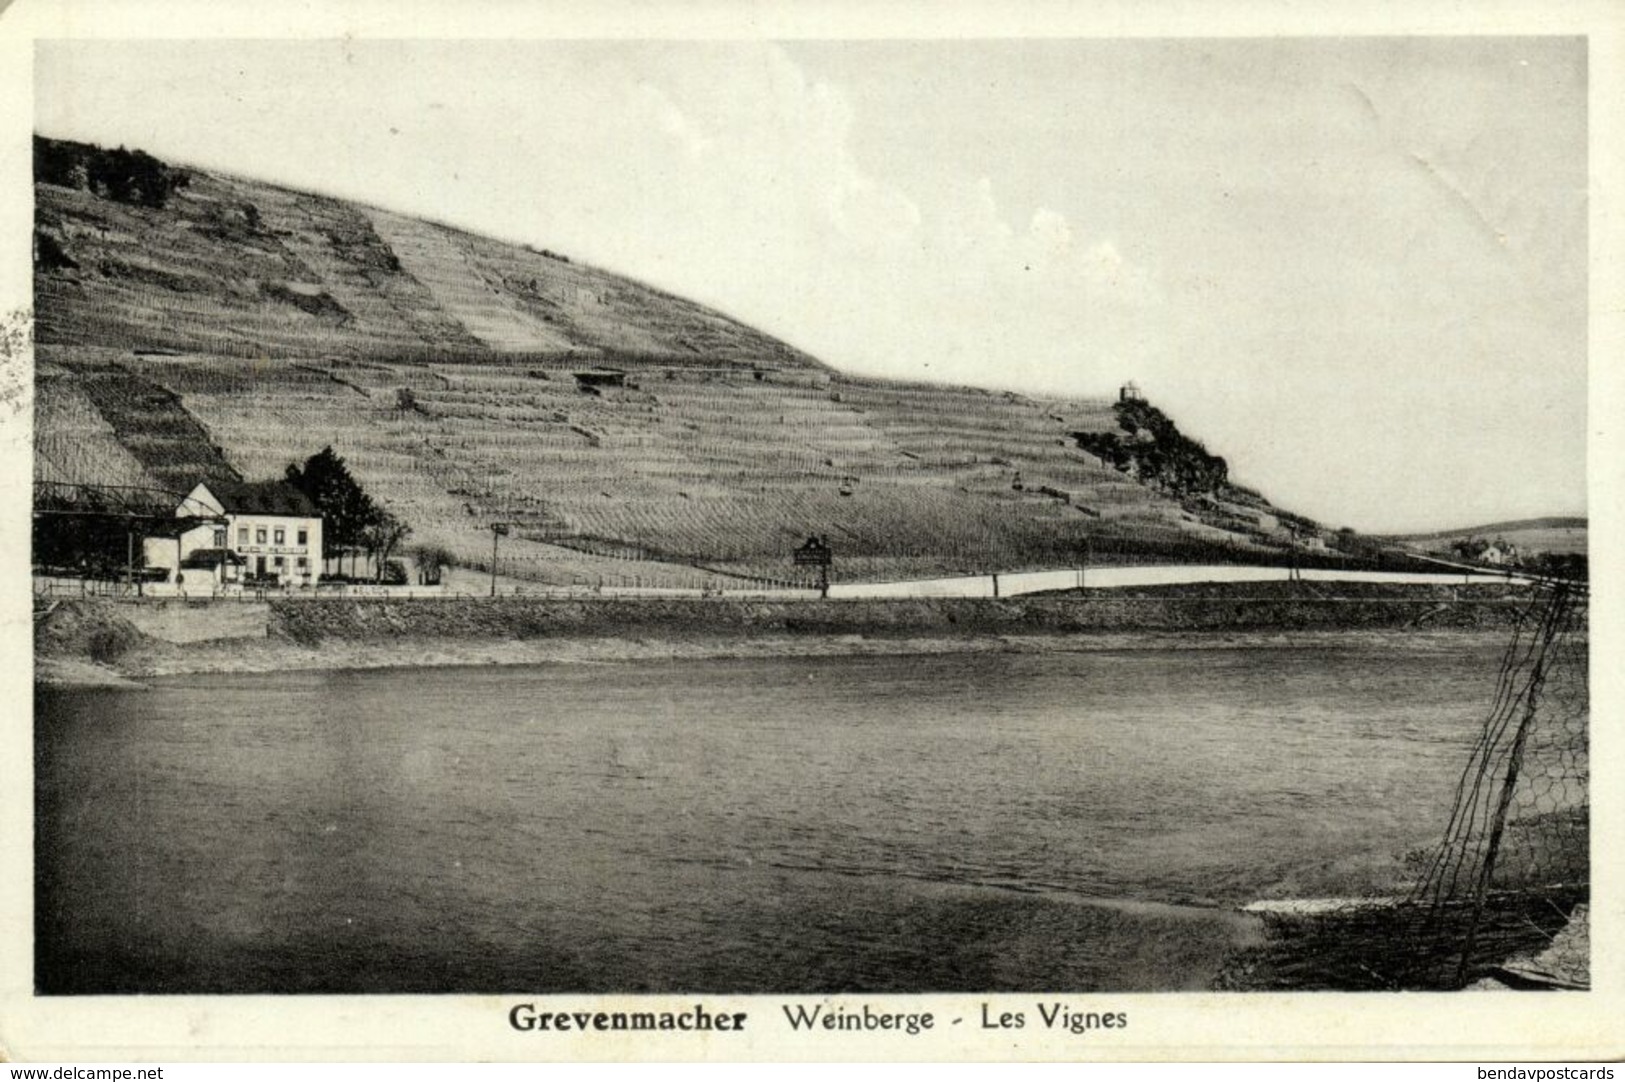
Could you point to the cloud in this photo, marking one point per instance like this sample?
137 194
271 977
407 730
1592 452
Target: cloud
1051 233
671 122
865 272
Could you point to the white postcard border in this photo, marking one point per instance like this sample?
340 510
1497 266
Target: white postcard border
1182 1026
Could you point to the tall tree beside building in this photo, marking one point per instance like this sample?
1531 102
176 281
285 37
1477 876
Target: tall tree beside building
346 509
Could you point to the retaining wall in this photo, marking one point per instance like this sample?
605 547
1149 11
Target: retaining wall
180 621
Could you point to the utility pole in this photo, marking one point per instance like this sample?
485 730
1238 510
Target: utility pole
498 530
1292 528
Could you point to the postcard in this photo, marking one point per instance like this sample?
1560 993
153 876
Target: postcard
711 532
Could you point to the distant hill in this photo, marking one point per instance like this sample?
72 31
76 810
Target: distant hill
192 324
1555 534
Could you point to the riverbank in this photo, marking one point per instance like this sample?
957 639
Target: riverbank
105 643
1249 606
436 653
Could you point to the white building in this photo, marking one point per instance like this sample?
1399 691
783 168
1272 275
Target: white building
254 532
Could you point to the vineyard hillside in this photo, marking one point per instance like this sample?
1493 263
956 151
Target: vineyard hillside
194 325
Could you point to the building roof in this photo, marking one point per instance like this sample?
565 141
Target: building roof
211 558
262 498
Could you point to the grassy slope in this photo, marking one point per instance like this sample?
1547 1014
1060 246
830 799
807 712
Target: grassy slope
285 321
234 267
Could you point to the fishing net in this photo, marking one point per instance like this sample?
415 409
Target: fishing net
1501 900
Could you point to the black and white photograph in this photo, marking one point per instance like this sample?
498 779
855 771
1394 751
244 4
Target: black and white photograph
837 519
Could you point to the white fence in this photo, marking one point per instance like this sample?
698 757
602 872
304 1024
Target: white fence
1009 584
49 587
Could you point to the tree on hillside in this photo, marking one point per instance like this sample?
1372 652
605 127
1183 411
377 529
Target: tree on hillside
432 559
379 536
1346 540
346 510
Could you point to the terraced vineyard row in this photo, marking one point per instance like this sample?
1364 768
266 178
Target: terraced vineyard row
724 473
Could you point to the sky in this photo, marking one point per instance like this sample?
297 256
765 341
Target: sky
1356 267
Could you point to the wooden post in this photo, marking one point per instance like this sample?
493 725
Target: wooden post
495 533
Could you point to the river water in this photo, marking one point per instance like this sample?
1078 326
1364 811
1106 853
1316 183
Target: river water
1060 821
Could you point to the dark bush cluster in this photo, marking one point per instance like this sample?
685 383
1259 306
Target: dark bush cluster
1560 565
321 305
49 255
83 541
1154 450
127 176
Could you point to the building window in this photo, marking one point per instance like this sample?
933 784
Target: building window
259 536
281 536
220 537
302 563
304 537
279 561
242 535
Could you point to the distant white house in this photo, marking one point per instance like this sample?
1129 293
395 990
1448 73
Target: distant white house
255 532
